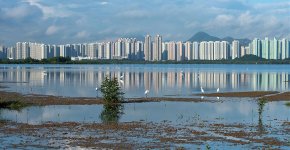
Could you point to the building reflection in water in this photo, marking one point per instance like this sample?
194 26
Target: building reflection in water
161 81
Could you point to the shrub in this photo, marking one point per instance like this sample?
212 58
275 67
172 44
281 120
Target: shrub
111 91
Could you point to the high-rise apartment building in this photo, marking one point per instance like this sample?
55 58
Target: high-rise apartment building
203 51
257 47
188 50
157 49
217 50
274 45
265 48
172 54
195 49
179 51
284 49
148 48
235 49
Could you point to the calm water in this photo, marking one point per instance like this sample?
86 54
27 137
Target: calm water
230 111
161 80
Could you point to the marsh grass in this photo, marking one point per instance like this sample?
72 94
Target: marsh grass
12 105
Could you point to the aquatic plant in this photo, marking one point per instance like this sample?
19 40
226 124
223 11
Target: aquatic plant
12 105
111 91
261 104
207 147
111 113
288 104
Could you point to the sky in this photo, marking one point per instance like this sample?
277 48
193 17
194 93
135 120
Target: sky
79 21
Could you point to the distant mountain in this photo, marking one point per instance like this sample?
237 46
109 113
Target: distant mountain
202 36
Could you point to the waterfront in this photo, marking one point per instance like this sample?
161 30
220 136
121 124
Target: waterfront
175 114
162 80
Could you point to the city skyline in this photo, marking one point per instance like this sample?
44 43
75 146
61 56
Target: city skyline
56 22
152 49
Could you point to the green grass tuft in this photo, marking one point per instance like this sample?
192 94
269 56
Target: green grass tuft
12 105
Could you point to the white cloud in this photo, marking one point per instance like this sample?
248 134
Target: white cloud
17 12
52 30
48 12
104 3
133 14
82 34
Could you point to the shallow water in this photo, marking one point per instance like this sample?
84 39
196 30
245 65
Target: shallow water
180 80
163 81
230 111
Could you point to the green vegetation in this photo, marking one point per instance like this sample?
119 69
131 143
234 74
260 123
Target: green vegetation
12 105
261 104
207 147
247 59
111 91
288 104
113 96
111 113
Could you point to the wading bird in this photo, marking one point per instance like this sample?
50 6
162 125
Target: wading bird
146 92
201 89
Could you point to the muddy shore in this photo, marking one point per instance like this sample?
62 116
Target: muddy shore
240 94
41 100
133 135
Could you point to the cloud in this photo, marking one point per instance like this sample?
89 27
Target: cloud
104 3
82 34
133 14
174 20
48 12
17 12
52 30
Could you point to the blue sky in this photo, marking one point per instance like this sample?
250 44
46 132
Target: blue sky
73 21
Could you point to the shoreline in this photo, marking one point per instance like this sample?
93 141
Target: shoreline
43 100
141 134
119 135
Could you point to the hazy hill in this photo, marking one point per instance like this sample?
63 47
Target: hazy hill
202 36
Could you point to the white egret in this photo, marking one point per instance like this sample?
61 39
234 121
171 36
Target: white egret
201 89
97 89
44 73
122 76
218 90
121 82
146 92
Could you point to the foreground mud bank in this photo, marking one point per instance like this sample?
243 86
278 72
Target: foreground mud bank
267 95
42 100
134 135
240 94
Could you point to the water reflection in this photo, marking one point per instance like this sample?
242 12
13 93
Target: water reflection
111 113
161 80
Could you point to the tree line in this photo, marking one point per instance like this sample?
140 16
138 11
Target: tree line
247 59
